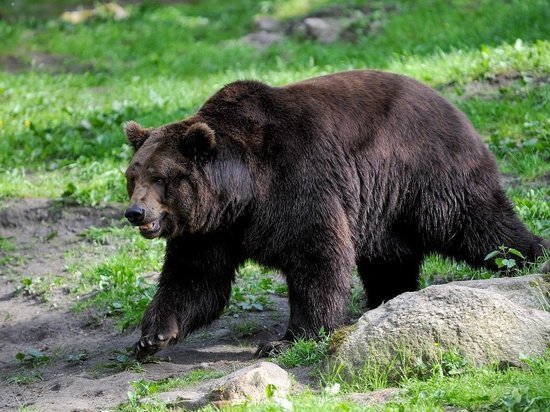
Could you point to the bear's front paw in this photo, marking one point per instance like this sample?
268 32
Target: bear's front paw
273 348
150 344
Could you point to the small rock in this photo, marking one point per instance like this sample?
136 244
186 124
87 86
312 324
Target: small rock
268 25
116 11
77 16
322 30
250 383
262 39
222 333
113 10
247 384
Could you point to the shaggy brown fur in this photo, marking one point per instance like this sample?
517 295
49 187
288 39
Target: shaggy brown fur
358 168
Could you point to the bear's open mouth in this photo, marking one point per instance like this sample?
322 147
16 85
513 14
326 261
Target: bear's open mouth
152 228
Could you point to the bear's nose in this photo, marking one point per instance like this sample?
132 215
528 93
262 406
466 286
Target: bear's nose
135 214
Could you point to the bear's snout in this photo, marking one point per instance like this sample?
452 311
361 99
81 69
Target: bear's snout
135 214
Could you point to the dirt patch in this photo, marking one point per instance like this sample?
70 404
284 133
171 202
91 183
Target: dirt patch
377 397
513 181
43 62
497 85
80 369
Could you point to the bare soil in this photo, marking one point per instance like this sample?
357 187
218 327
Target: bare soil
45 242
40 61
497 85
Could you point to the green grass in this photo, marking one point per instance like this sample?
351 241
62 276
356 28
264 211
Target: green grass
147 388
62 130
30 363
304 352
24 377
36 287
120 361
6 245
245 327
513 389
253 289
117 286
449 383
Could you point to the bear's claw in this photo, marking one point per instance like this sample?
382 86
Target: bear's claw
149 345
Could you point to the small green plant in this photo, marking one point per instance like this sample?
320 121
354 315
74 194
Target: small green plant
520 402
77 358
245 327
504 259
451 363
123 360
6 245
25 378
248 298
270 390
253 289
117 286
34 287
32 358
304 352
98 236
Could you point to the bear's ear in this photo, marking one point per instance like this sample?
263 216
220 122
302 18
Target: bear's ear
136 134
199 142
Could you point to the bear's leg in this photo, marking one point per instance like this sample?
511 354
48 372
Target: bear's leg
319 286
193 289
385 279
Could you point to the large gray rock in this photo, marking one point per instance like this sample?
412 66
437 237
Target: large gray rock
486 321
532 291
247 384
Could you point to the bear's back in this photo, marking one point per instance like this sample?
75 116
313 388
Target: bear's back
360 112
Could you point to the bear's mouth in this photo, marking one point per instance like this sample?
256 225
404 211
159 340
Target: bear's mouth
152 229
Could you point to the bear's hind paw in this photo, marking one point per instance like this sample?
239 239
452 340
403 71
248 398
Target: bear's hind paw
272 348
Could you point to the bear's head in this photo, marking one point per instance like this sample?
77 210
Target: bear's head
183 179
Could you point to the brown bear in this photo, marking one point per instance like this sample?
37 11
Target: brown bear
361 168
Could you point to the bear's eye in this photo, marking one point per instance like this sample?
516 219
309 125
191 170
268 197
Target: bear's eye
158 180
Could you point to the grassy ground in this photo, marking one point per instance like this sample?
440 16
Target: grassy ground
67 89
451 384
